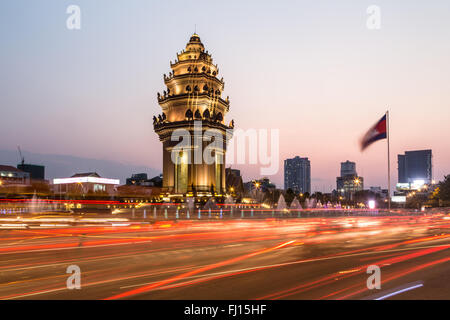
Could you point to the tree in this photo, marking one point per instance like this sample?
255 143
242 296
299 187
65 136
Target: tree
289 196
417 200
272 196
444 189
318 196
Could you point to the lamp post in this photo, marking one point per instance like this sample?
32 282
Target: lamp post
357 183
257 184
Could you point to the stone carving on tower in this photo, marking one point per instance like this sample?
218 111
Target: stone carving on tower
193 102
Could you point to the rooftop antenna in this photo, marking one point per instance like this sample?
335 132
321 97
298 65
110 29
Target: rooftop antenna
22 159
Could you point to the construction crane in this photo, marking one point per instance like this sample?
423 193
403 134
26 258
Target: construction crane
22 159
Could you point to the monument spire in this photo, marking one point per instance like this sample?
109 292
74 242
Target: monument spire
193 98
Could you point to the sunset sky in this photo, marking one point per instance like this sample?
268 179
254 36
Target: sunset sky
311 69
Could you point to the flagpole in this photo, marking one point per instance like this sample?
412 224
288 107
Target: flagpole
389 161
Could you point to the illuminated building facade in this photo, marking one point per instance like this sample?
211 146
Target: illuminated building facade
193 102
13 176
234 183
85 183
349 182
415 166
348 185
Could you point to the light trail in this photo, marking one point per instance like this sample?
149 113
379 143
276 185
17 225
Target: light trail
325 280
398 275
199 270
90 284
211 238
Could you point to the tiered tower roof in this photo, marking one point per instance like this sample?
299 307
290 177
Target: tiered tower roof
193 87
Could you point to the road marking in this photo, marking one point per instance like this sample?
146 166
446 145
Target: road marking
400 291
396 291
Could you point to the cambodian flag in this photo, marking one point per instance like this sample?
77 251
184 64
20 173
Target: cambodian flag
377 132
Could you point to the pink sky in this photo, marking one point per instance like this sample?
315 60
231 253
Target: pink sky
314 71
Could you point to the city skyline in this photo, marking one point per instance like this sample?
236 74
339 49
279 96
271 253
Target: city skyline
95 99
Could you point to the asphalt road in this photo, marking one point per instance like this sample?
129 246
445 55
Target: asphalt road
310 258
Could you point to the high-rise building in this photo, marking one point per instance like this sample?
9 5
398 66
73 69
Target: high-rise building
349 182
297 174
193 104
348 168
415 166
401 168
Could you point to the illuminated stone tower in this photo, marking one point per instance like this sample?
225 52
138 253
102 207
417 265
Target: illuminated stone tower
193 98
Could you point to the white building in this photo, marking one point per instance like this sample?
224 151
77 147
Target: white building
85 183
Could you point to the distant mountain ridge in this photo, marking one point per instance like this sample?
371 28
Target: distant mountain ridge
61 166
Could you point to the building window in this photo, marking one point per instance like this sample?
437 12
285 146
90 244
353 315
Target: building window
99 188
